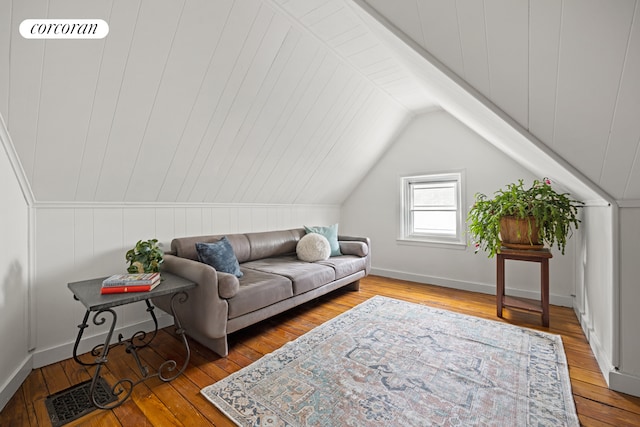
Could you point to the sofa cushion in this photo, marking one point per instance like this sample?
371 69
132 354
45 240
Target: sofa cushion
304 276
345 265
268 244
220 256
257 290
331 233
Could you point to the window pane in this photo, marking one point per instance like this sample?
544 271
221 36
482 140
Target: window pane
431 210
440 222
434 196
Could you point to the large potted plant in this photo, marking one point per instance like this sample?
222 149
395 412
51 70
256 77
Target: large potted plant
539 214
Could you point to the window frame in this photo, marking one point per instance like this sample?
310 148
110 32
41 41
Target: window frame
406 232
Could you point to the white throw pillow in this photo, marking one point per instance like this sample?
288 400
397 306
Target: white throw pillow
313 247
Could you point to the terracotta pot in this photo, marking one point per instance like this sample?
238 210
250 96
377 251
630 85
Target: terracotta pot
514 233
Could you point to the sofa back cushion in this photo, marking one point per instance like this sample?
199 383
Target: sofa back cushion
269 244
247 247
185 247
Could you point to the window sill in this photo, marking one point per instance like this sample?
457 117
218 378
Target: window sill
432 243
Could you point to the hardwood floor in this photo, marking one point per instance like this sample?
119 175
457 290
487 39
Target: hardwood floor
155 403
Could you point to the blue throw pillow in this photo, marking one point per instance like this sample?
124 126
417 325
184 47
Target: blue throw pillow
220 256
331 233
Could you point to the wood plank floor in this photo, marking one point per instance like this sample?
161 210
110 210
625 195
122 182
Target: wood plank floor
179 403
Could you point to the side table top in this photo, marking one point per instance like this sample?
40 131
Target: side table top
88 292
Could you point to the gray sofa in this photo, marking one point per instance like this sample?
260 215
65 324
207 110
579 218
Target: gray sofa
273 280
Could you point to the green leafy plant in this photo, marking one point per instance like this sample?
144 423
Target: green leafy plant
145 257
554 213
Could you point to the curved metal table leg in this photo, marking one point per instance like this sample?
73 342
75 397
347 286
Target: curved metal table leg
170 365
117 389
84 325
123 388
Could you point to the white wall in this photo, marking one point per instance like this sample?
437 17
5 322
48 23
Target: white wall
594 284
14 268
81 241
437 142
627 377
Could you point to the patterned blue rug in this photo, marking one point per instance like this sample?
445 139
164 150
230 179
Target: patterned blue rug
393 363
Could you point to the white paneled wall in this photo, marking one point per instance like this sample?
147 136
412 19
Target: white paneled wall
629 297
594 288
14 277
80 241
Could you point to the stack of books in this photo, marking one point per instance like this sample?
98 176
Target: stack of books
121 283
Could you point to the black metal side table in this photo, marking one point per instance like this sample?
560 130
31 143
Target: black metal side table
88 293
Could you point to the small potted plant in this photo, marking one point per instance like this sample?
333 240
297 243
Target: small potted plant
145 257
539 214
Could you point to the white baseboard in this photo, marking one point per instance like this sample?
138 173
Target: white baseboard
565 301
43 357
15 381
624 383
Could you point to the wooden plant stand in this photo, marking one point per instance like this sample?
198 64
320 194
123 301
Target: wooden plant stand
542 256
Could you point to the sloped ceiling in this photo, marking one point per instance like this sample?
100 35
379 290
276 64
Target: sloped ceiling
292 101
567 71
200 101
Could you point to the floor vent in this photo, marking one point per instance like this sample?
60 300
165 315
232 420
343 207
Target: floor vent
74 402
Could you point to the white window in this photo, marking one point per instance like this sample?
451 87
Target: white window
432 208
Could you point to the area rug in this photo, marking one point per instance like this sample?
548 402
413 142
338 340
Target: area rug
394 363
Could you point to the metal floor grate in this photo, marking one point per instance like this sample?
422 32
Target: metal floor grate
74 402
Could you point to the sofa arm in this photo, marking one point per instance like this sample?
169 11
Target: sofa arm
354 246
204 311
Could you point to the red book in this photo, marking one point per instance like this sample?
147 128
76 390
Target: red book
125 289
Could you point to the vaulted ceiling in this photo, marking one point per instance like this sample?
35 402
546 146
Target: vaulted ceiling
567 71
292 101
